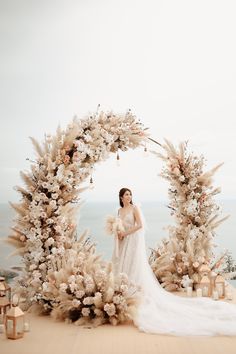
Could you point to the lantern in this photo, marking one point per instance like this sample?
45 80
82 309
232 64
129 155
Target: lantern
205 285
5 296
14 322
220 285
204 270
4 304
5 290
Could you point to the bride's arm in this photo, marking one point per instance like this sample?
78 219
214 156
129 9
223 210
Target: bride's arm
138 226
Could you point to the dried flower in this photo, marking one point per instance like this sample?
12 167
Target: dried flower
110 309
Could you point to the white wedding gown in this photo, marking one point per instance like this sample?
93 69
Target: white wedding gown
160 311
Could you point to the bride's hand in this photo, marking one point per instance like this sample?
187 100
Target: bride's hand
121 235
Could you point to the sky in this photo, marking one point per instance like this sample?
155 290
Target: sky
171 62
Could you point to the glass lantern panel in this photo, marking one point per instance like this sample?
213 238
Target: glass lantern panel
19 325
9 327
219 288
205 290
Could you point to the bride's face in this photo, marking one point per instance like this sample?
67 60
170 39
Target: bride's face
127 197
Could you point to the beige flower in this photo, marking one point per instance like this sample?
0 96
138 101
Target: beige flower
110 309
85 311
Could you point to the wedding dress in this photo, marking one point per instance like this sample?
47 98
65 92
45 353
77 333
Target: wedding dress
160 311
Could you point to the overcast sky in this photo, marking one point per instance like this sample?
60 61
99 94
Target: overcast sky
171 62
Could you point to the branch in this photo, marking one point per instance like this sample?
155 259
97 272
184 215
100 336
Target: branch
154 141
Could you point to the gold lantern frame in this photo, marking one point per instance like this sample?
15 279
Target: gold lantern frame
220 284
14 323
5 296
5 289
205 284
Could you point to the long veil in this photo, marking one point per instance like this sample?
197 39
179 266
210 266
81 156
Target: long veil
160 311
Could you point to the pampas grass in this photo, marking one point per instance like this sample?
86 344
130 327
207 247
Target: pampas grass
196 214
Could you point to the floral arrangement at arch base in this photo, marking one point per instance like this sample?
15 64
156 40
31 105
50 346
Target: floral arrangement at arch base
61 273
81 288
197 215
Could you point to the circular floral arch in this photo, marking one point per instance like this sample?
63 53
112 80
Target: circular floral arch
62 274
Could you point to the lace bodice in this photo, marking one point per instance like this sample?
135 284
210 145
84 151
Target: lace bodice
128 220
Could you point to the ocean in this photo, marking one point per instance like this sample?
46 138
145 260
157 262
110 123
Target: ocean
92 216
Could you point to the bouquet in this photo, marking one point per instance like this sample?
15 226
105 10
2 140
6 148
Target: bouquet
113 225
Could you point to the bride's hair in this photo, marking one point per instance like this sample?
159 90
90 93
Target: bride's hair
121 193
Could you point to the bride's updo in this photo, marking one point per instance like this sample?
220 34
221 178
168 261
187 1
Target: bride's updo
121 193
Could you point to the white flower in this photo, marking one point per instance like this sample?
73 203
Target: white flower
45 286
54 250
85 311
37 197
76 302
110 309
117 299
88 300
73 287
186 281
79 294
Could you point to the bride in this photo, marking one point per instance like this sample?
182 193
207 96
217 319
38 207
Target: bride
159 311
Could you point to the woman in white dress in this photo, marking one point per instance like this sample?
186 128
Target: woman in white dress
160 311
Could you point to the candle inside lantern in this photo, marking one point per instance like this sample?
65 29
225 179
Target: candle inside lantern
215 295
189 291
219 289
199 292
205 291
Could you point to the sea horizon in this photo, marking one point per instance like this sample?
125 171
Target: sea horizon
92 217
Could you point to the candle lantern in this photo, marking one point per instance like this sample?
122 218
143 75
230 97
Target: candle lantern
5 296
220 285
4 305
204 269
205 285
14 322
5 289
203 280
